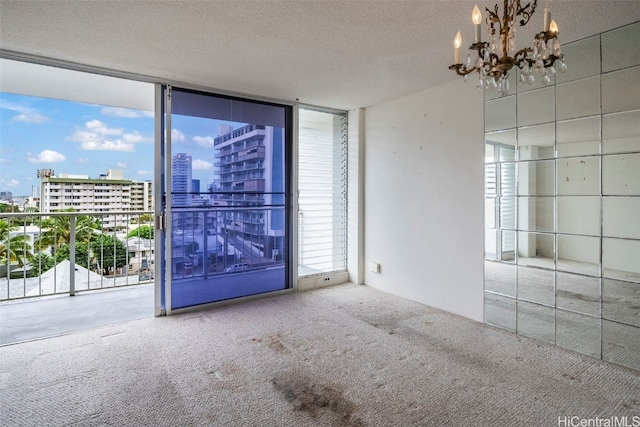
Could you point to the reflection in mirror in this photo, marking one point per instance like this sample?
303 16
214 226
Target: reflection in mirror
621 344
491 244
536 250
490 184
620 48
580 98
578 137
500 146
621 302
584 62
579 254
621 217
536 178
621 259
621 132
490 212
579 176
578 332
508 246
500 277
536 107
536 321
500 114
536 142
500 311
621 91
621 175
578 293
578 215
508 213
535 213
536 285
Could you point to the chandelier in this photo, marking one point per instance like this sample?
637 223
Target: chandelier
494 60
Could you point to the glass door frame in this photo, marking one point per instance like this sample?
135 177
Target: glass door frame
162 196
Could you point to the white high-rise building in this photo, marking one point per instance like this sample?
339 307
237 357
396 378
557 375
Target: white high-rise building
181 180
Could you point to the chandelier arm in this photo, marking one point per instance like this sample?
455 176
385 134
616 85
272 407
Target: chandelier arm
492 19
462 70
526 12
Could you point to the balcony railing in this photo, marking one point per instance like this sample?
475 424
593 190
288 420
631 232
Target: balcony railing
67 252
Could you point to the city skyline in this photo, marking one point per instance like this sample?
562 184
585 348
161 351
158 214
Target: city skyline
87 139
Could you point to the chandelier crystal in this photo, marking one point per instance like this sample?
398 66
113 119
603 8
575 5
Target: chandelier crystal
495 59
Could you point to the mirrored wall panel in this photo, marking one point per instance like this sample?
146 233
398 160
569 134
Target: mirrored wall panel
562 211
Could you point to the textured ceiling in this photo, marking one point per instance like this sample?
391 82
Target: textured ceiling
340 54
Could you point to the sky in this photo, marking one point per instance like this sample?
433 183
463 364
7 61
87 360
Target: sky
87 139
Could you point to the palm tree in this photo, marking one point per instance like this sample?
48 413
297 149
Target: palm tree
13 248
56 231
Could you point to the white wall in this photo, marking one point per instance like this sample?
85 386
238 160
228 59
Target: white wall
424 157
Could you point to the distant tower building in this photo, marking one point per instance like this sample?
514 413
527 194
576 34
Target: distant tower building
195 186
181 180
250 173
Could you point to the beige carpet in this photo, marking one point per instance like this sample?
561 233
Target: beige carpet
347 355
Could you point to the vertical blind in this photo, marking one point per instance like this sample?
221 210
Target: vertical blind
322 192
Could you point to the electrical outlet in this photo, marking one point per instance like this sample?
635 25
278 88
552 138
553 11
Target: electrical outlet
374 267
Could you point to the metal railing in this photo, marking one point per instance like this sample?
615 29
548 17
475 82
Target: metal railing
67 252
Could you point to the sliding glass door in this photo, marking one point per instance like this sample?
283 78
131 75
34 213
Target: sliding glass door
225 197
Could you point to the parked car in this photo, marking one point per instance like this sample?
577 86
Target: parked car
237 267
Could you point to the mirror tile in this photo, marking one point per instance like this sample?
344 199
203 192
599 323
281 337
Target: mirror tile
500 278
536 250
621 217
621 259
578 254
578 293
536 107
621 91
536 321
621 301
578 137
500 114
578 332
621 175
500 311
536 285
536 214
621 132
578 215
507 213
536 178
536 142
620 48
578 176
582 58
491 243
579 98
621 344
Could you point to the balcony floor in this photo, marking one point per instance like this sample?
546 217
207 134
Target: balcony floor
38 318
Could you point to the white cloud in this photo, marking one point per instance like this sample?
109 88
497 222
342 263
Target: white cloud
46 156
177 135
125 112
12 183
25 114
201 165
121 165
99 137
83 161
204 141
145 172
4 161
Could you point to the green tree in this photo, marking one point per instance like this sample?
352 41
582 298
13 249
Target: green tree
145 219
56 231
144 231
14 248
110 253
40 263
83 254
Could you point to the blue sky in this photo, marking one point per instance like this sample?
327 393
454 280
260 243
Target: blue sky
85 139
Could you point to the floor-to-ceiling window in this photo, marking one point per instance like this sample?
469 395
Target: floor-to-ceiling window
573 278
227 198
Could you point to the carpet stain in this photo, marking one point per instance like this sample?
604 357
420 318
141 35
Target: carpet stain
317 400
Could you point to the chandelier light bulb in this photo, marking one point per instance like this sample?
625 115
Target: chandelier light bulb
476 16
457 42
553 27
